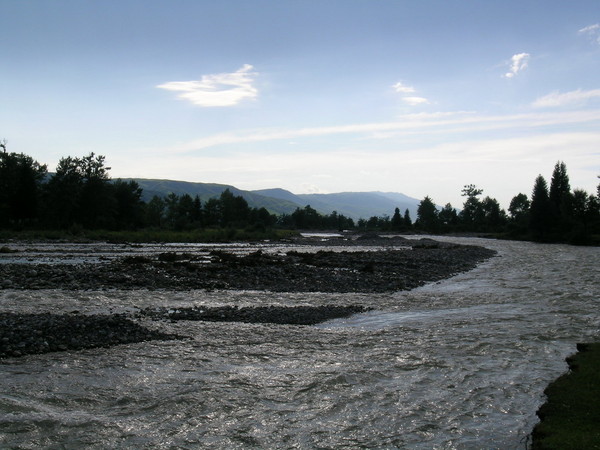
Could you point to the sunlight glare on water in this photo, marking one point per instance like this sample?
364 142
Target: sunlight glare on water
461 363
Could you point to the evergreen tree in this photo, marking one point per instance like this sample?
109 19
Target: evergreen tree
407 220
561 199
397 221
427 215
21 178
539 211
559 184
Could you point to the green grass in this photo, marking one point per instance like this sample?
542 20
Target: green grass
570 419
142 236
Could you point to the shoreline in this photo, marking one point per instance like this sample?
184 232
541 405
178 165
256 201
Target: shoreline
569 418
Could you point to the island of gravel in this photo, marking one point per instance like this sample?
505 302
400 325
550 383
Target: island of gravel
383 264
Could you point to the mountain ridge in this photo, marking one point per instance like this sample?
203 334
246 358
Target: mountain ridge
281 201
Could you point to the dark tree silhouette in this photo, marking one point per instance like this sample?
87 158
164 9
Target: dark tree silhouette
427 215
21 178
397 223
472 214
539 211
448 217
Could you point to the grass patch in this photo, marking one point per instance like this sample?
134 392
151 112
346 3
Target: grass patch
144 236
571 416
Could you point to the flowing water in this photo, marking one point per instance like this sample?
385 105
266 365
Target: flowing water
460 363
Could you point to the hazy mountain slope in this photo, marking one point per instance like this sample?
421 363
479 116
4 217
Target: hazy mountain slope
352 204
279 201
206 191
281 194
362 204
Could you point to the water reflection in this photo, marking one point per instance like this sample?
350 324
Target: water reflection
461 363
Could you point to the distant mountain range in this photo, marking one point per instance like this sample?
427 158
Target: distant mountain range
279 201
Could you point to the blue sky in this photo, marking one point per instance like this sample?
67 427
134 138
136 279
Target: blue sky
418 97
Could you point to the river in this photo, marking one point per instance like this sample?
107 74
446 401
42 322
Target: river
460 363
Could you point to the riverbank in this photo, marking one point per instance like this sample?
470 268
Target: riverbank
571 416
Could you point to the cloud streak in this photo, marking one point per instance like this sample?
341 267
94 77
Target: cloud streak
411 100
438 169
518 63
222 89
592 31
451 122
556 99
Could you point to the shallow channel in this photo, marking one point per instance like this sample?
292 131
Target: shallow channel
460 363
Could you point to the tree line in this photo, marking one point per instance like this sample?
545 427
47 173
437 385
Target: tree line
552 214
81 194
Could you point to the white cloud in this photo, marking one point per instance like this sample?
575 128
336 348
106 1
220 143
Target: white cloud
518 63
221 89
414 101
591 28
592 31
402 89
556 99
411 100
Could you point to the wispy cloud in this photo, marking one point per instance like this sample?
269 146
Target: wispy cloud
556 99
403 89
414 101
411 100
592 31
450 122
518 63
439 169
221 89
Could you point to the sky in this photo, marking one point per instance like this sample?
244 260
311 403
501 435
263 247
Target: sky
313 96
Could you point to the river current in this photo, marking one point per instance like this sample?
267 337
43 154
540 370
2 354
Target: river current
460 363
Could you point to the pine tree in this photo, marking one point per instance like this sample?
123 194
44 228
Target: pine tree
539 211
407 220
427 215
561 199
397 221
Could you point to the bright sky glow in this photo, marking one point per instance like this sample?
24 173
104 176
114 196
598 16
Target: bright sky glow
418 97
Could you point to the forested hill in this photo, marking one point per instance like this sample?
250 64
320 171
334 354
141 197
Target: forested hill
352 204
279 201
205 191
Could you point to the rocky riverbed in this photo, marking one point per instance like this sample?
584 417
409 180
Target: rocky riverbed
377 270
385 266
25 334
